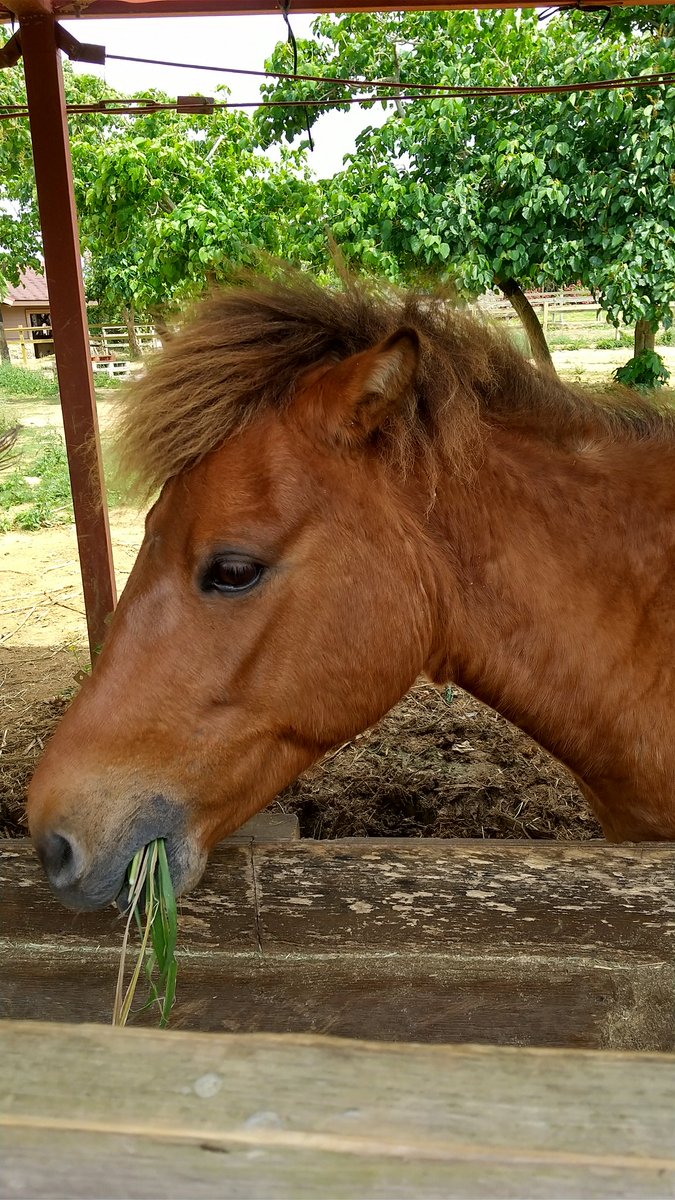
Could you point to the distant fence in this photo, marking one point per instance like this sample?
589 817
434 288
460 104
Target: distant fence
32 346
559 312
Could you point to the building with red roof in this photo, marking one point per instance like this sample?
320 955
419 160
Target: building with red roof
25 318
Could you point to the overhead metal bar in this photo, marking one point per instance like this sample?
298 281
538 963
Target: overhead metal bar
212 8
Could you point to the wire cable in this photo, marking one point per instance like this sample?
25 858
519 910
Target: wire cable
285 9
139 106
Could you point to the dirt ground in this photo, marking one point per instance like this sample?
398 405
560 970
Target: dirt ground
440 764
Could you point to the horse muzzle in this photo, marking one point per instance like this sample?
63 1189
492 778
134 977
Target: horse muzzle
86 881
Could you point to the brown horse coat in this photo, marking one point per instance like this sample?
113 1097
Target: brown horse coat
355 489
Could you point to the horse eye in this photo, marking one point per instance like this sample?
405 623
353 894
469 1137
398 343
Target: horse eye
231 575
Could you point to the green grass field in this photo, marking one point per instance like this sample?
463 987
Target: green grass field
34 482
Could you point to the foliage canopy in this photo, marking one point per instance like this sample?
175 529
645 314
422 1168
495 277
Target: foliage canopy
545 190
167 202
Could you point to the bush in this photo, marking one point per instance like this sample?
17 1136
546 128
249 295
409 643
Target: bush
614 343
644 372
21 381
45 502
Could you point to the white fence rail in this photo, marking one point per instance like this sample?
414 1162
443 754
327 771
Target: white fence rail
111 353
559 313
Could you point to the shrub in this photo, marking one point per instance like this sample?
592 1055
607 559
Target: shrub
613 343
21 381
644 372
46 502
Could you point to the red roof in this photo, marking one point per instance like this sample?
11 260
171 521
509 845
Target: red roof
31 289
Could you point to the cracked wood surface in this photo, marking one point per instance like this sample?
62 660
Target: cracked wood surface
274 1117
556 944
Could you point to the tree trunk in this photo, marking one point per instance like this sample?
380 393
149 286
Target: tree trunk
530 322
130 322
162 329
645 335
4 348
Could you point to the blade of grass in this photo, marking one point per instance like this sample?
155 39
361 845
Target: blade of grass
165 934
131 990
150 888
136 878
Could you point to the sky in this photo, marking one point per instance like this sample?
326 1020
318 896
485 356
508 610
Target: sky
220 41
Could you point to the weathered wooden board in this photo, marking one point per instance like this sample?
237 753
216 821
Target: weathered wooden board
268 827
86 1111
512 943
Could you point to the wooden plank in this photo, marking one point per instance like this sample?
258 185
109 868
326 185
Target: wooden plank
83 1165
268 827
31 915
195 8
556 945
422 998
518 896
301 1117
428 894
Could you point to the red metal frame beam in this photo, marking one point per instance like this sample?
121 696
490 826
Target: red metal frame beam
196 8
58 218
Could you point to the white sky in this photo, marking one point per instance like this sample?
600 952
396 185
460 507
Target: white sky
220 41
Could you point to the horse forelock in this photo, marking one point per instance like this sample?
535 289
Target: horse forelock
244 350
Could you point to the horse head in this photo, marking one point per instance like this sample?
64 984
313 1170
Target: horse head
279 604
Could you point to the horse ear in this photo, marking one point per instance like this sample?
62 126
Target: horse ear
353 398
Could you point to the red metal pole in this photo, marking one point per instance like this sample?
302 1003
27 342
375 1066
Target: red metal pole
58 218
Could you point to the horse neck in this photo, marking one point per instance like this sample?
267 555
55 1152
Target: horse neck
551 573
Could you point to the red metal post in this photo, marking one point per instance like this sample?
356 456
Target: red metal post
58 218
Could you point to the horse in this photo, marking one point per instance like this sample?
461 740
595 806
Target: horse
356 487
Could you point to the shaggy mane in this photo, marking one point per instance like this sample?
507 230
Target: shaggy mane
246 347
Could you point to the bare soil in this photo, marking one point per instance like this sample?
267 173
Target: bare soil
438 765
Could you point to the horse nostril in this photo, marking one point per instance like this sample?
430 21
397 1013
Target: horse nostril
60 857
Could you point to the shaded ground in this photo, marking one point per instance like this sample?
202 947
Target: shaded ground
439 765
22 742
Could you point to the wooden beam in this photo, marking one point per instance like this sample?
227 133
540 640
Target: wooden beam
194 8
550 944
58 218
86 1111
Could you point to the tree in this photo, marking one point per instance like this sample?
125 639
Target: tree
512 192
167 202
20 240
172 203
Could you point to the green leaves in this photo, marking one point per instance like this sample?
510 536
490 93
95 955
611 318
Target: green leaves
645 372
168 204
554 189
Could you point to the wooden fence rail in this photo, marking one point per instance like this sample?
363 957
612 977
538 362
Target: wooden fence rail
549 944
86 1111
559 312
108 342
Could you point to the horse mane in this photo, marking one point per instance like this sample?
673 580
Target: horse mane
245 348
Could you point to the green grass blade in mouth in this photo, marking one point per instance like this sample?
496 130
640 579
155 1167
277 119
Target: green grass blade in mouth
165 948
152 906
